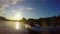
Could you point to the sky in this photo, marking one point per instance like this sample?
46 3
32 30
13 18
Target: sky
29 8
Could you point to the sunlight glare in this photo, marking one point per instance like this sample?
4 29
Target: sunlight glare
17 16
17 25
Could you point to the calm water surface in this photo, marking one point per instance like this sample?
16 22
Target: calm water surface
15 27
11 27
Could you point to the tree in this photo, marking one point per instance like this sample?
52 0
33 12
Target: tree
24 20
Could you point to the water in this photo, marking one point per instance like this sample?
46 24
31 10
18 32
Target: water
15 27
12 27
46 29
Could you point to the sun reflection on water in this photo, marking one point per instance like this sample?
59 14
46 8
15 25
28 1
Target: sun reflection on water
14 25
17 25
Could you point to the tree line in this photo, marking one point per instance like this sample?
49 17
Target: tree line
48 21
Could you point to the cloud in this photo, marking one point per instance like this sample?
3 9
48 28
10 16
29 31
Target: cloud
29 9
22 0
24 8
7 3
1 10
16 14
14 11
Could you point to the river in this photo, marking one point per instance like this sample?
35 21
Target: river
12 27
15 27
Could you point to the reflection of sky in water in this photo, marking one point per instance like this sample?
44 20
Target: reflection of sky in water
10 26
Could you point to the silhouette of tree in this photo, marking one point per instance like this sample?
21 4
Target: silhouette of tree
48 21
24 20
58 20
31 21
2 18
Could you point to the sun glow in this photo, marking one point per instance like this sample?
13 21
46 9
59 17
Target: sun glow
17 16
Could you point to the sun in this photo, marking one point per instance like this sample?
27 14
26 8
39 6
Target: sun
17 16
